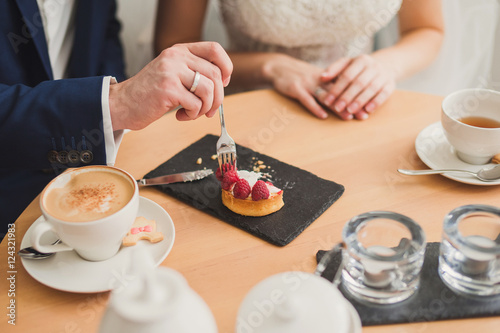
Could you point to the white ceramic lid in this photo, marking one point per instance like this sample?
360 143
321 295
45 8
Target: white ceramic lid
296 302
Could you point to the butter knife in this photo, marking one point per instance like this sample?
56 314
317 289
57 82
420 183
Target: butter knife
175 178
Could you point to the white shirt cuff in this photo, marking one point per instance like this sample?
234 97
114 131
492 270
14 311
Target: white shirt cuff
112 139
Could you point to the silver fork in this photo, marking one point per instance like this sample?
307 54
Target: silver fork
226 148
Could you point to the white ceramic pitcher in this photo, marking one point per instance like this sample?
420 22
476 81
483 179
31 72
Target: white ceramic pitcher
156 300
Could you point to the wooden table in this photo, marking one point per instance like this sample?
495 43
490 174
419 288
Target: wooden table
221 262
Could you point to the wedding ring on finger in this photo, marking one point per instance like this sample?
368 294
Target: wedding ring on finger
319 91
195 82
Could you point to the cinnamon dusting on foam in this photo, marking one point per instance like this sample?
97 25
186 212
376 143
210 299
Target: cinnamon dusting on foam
97 198
89 196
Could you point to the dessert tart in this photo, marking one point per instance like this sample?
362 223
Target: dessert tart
244 193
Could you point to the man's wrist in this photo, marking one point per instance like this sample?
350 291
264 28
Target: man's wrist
116 108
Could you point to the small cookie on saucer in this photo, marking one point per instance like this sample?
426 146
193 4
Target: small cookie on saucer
142 229
496 159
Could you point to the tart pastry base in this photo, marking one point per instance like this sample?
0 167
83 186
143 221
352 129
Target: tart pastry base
248 207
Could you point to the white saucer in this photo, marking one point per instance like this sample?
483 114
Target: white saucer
436 152
67 271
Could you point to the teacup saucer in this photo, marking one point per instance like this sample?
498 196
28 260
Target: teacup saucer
436 152
67 271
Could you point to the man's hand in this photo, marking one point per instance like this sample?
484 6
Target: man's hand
165 83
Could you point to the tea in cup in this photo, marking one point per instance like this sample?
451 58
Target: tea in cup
471 123
90 209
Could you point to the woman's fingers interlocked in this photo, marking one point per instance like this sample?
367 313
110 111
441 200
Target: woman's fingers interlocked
359 87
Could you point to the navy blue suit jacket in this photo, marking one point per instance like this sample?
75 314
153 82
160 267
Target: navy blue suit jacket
40 116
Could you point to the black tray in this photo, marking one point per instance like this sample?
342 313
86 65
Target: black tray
306 196
433 300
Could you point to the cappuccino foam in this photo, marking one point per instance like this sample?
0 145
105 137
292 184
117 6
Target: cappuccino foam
89 196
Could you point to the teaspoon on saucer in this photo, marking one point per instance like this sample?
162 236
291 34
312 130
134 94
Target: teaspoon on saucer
486 174
31 253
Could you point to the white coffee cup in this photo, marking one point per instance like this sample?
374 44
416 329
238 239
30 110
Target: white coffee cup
473 144
109 193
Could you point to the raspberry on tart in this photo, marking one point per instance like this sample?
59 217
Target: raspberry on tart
260 191
226 167
229 179
242 189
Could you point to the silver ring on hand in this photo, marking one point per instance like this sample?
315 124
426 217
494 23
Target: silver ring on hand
195 82
319 91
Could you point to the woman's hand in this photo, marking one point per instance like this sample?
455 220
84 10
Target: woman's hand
296 79
355 87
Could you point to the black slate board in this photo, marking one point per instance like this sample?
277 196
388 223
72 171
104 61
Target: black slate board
433 300
306 196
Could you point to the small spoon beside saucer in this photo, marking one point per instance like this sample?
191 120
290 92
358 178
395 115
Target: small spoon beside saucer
486 174
31 253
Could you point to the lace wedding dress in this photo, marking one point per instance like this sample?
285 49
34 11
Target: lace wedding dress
317 31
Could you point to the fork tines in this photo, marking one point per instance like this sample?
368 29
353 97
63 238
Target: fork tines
227 161
226 148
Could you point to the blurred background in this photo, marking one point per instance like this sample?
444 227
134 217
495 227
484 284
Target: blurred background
469 58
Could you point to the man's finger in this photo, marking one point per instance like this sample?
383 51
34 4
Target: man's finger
214 53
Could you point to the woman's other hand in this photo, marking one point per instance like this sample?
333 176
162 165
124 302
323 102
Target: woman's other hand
296 79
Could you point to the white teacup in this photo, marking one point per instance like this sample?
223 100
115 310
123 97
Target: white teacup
464 115
90 209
